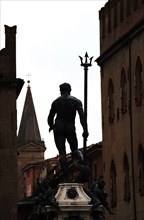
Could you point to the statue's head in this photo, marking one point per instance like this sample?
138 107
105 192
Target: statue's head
65 87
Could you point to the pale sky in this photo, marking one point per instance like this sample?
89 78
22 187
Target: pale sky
51 35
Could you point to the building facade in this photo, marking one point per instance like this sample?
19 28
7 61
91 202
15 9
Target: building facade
122 90
10 88
31 173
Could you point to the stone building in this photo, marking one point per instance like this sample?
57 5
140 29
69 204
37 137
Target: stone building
122 88
30 146
10 88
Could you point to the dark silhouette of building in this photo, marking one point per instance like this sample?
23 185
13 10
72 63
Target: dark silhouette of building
122 90
10 88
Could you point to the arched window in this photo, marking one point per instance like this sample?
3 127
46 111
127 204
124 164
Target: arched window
109 18
135 2
128 7
138 83
103 26
121 10
141 169
95 171
113 184
123 92
126 179
115 14
111 101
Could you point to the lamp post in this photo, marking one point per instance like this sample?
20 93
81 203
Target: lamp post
85 64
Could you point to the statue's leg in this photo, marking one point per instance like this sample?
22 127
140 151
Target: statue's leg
77 156
72 137
64 166
60 144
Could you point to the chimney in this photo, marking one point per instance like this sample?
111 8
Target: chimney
10 45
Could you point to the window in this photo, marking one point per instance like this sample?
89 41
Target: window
111 102
95 171
115 14
128 7
126 179
141 169
117 114
109 18
138 83
28 172
103 26
113 185
135 4
121 10
123 92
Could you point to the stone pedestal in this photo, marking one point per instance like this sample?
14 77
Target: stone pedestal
73 203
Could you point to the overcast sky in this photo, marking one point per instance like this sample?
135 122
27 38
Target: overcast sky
50 37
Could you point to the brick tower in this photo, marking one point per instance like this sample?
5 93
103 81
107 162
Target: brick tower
29 145
122 89
10 88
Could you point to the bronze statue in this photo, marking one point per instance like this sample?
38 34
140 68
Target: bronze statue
43 195
65 108
99 197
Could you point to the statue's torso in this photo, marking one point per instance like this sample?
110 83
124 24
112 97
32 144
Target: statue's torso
66 107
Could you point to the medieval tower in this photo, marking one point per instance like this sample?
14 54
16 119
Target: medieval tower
122 89
10 88
30 147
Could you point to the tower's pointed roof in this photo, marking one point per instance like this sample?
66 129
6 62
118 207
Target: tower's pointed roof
29 129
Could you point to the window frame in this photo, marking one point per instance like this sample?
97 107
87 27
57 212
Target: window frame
123 87
141 169
138 83
127 194
113 187
111 114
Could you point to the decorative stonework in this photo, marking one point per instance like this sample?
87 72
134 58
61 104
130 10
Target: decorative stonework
73 203
72 194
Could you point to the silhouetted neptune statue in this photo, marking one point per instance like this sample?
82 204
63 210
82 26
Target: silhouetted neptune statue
65 108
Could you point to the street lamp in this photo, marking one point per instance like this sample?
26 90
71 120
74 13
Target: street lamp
85 64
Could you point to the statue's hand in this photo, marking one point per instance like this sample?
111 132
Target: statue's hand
85 134
51 128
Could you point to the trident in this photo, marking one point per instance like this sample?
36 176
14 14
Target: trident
85 64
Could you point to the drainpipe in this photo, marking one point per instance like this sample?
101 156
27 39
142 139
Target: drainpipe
131 135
